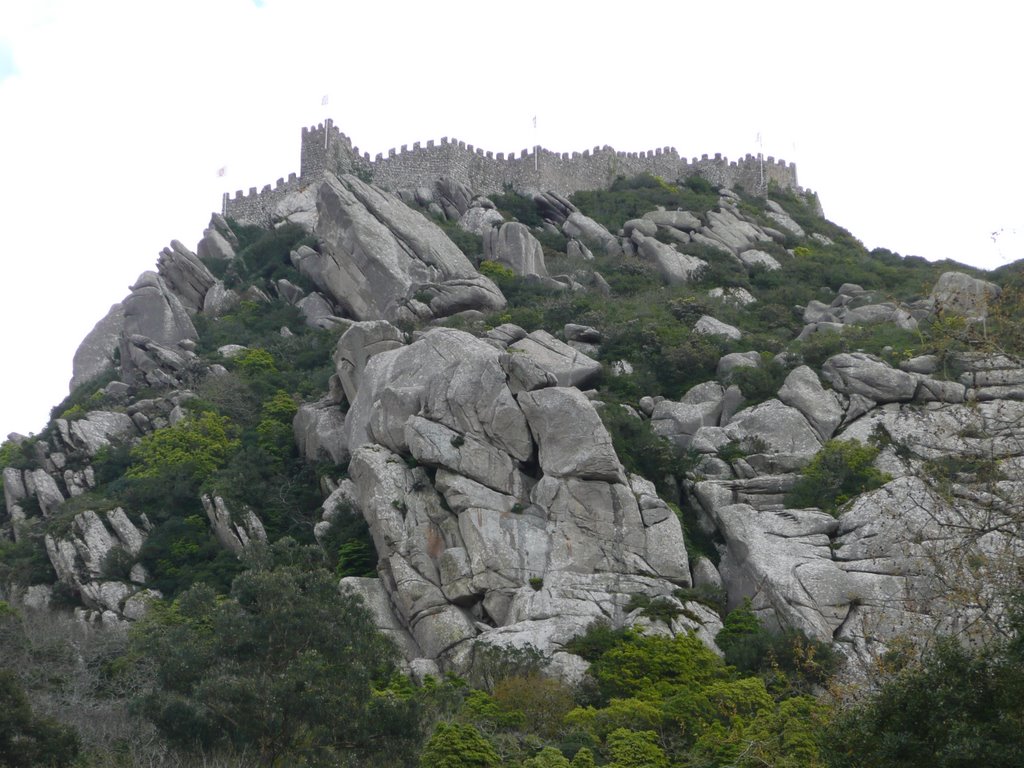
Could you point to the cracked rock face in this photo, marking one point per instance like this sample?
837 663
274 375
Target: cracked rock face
905 561
378 255
500 518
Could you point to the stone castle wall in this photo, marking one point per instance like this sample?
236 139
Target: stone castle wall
325 148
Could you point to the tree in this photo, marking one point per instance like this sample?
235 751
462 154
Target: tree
549 757
636 749
27 741
957 708
457 745
287 665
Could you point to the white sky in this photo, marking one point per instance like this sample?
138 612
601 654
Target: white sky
115 116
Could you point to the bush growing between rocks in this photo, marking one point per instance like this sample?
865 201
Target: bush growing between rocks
788 661
633 197
841 470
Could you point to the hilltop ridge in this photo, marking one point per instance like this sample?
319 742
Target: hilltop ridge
325 148
584 443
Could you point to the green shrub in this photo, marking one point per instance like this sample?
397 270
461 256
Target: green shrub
288 667
643 452
264 256
519 207
198 445
957 707
28 739
599 638
758 383
633 197
656 609
180 552
253 362
841 470
791 661
24 562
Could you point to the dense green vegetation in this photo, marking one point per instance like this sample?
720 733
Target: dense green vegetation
631 198
953 708
286 665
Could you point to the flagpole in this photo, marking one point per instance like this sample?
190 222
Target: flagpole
327 121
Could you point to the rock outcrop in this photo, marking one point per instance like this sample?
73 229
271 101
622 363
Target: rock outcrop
500 518
381 260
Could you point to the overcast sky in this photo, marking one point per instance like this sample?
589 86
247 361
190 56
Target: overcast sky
116 116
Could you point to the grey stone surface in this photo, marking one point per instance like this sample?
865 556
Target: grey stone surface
436 445
376 252
730 362
215 246
570 367
591 234
821 407
319 430
735 232
357 345
782 428
219 300
711 326
577 250
185 275
154 311
755 258
236 531
782 562
96 431
513 245
739 297
682 220
675 267
573 441
298 207
960 294
480 220
95 354
858 373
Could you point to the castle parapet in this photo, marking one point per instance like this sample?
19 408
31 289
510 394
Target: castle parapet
325 148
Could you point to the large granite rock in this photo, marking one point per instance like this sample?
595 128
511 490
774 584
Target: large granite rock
95 354
376 253
357 345
512 244
858 373
960 294
185 275
573 441
821 407
782 562
501 519
591 234
153 310
675 267
319 430
569 366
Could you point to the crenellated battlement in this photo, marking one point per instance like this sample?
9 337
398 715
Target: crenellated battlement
325 148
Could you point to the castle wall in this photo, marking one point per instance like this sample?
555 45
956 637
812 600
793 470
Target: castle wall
325 148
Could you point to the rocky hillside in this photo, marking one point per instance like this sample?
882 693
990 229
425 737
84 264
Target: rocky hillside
505 420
